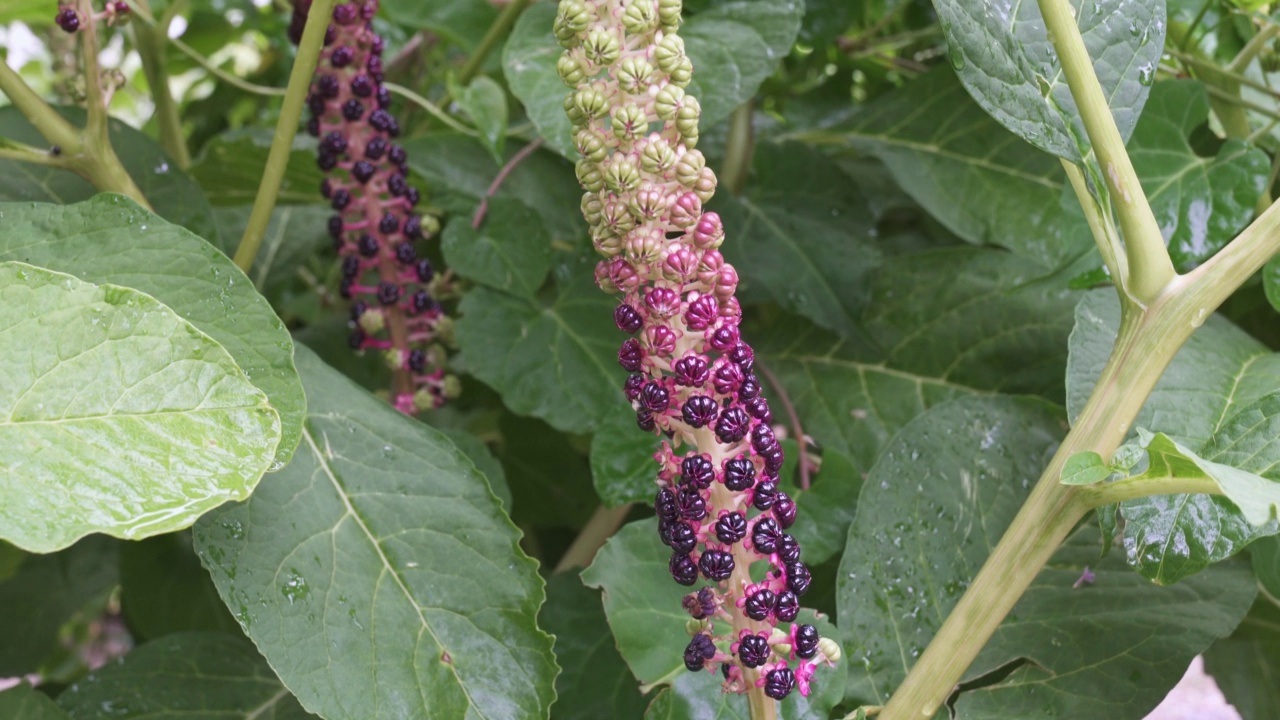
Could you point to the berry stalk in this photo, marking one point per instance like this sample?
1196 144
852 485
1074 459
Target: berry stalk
692 375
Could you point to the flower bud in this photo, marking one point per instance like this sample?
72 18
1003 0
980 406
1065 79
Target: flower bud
623 275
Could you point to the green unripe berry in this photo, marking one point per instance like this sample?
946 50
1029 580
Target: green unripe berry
571 70
591 144
451 387
592 208
621 175
657 156
668 102
628 121
669 14
589 175
608 245
394 359
683 73
372 321
669 52
617 218
573 112
687 116
634 75
705 187
601 47
639 17
572 18
591 103
689 167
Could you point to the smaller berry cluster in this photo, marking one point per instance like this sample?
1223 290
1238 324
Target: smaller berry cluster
68 18
393 289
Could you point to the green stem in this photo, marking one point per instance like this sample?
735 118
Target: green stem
497 31
602 525
1100 224
1223 84
12 150
738 150
304 68
1252 48
40 114
1131 488
150 41
1149 264
95 98
431 108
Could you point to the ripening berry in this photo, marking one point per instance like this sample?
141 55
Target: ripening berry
716 564
779 683
417 360
627 319
697 471
362 171
700 649
760 603
749 389
375 149
753 650
632 387
798 578
787 607
682 569
765 535
731 527
758 408
67 19
655 398
644 420
806 644
630 355
699 411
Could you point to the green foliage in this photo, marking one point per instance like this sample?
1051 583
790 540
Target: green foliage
24 703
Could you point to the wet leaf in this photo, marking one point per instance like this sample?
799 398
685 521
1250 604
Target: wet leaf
511 251
26 703
1244 664
1084 468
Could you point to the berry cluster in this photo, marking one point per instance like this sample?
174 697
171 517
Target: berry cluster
393 289
69 20
692 376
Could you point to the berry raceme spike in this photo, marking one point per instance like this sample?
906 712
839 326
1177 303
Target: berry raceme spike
394 292
114 12
692 375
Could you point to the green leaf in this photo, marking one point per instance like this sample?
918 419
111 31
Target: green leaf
622 465
485 102
1266 563
1219 369
121 417
1084 468
1244 664
46 592
815 235
173 194
969 172
550 484
1201 203
642 604
1005 59
511 251
933 508
108 239
164 590
554 359
947 323
825 511
378 574
1256 497
295 234
230 168
734 45
698 696
187 676
595 682
461 21
1271 281
485 461
26 703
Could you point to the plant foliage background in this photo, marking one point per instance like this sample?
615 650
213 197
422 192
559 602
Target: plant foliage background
918 278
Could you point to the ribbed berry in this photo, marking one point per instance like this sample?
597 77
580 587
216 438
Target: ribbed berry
664 505
716 564
632 387
760 603
788 549
342 56
361 86
700 649
375 149
699 411
655 398
682 569
367 246
732 425
765 493
691 503
739 473
696 470
388 292
784 510
683 537
630 356
627 319
798 578
67 19
779 683
765 535
749 389
787 607
731 527
753 650
758 408
352 110
691 371
806 644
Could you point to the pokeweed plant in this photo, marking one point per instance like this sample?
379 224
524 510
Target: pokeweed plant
904 226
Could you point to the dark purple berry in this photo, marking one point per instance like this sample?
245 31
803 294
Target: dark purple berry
382 121
758 408
665 504
424 270
398 156
627 319
760 604
724 338
326 161
405 254
697 471
742 356
330 34
701 604
749 389
732 425
699 651
358 308
374 66
655 398
375 148
356 339
341 199
766 492
788 549
342 57
384 96
352 110
727 378
691 503
631 355
335 226
664 531
417 360
716 564
367 245
422 302
762 438
345 13
787 607
396 185
691 370
67 19
699 411
731 527
388 292
361 86
328 87
773 461
412 195
388 224
784 510
779 683
644 420
798 578
633 386
313 127
753 650
739 473
315 104
806 644
682 569
326 188
344 287
362 171
350 267
413 227
765 535
683 537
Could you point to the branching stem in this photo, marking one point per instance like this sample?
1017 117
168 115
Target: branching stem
478 218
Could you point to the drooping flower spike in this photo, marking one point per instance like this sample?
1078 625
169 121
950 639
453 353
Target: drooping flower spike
393 289
719 505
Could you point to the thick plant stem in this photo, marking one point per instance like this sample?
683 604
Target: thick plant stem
304 67
151 40
1149 264
1132 488
1100 225
738 150
497 31
602 525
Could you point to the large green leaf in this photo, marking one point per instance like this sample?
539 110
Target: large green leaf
109 239
186 676
121 417
733 44
947 323
550 484
1244 665
295 234
461 21
642 604
511 251
230 167
45 593
814 233
378 574
1201 203
1220 372
164 590
1266 564
173 194
485 102
25 703
622 465
553 359
595 682
968 171
1004 56
934 506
